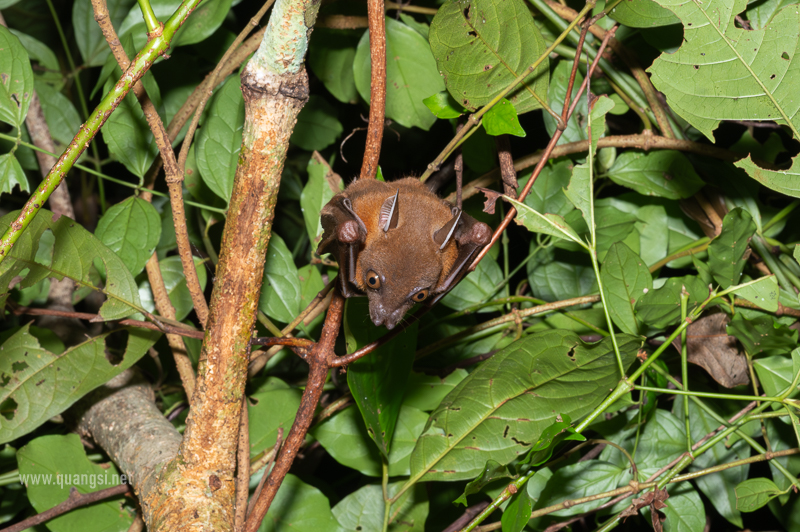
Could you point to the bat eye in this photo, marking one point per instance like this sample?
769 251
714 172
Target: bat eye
420 296
373 280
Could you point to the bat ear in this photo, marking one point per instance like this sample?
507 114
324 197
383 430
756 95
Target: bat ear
443 235
389 215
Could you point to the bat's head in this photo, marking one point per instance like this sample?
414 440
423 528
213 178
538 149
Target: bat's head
407 256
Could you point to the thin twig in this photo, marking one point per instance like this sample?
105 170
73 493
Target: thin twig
243 469
377 102
76 499
319 363
267 465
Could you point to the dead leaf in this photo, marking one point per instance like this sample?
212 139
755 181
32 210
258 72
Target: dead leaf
713 349
491 199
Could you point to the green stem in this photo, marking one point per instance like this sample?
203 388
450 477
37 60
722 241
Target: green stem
685 368
783 213
154 49
150 18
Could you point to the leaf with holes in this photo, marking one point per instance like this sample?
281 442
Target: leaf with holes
12 174
723 72
38 384
74 254
500 410
482 46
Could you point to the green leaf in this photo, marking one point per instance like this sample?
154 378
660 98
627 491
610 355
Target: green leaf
280 291
345 438
685 511
503 406
754 493
559 431
491 472
662 308
726 252
425 392
557 92
411 75
316 194
549 224
719 488
16 79
502 120
443 105
330 55
477 287
59 463
128 135
73 255
581 480
299 507
310 284
482 46
642 14
625 279
763 292
175 284
783 181
517 513
760 14
49 70
774 373
200 25
269 410
666 173
364 509
317 126
559 280
61 116
547 194
762 335
220 139
742 75
39 384
131 229
90 40
377 380
12 174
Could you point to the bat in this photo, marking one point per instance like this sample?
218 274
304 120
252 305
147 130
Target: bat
399 244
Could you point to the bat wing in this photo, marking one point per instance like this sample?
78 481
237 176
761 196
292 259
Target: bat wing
344 236
471 236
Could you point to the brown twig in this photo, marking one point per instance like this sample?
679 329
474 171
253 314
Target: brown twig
636 69
319 361
76 499
643 141
212 80
267 465
377 102
508 175
466 517
548 150
174 177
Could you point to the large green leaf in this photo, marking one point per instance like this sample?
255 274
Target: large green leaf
60 114
726 252
12 174
723 72
499 411
784 181
642 14
16 79
482 46
665 173
547 193
202 23
280 291
316 194
74 253
38 384
330 55
90 40
556 92
477 287
346 440
662 308
364 509
625 279
53 465
411 75
299 507
582 480
131 229
378 380
49 70
220 139
269 410
175 284
317 126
